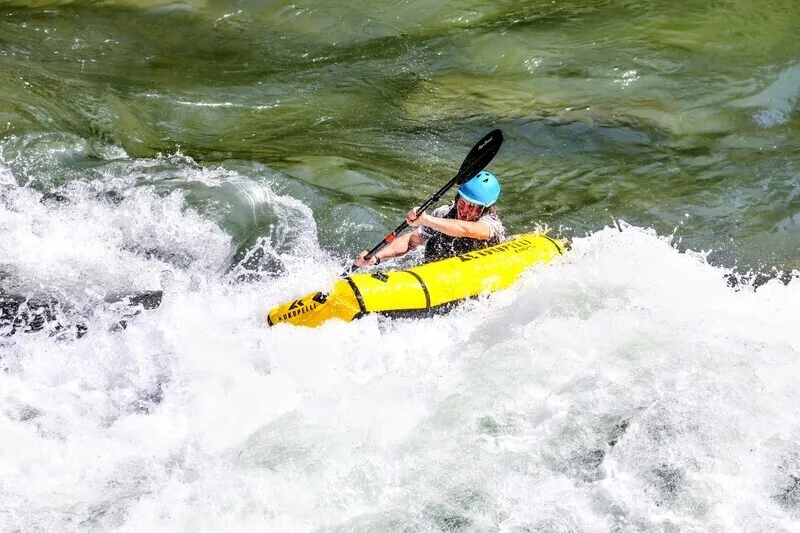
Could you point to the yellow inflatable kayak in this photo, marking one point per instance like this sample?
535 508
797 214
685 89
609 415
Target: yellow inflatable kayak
421 289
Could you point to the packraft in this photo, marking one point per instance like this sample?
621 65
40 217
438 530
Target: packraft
424 289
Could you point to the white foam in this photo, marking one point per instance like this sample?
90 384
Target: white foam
6 176
498 416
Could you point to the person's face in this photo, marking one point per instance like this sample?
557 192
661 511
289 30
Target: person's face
467 210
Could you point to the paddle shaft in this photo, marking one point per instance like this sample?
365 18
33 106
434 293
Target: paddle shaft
477 159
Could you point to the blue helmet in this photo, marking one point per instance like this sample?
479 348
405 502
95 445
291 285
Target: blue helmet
483 189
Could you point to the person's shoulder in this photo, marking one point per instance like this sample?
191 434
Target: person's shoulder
490 215
492 219
491 212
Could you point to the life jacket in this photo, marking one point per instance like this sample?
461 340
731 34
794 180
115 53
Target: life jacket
442 246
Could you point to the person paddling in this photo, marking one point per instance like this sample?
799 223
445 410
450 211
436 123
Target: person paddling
470 223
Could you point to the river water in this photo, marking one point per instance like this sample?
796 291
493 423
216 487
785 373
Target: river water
237 154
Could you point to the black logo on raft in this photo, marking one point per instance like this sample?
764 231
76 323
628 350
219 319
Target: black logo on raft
517 246
296 308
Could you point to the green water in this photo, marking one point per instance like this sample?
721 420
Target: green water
682 116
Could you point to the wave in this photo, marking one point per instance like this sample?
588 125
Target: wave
625 384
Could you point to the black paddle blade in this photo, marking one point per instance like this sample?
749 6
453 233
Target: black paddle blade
480 156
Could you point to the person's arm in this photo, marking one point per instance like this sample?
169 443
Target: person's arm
450 226
453 227
400 246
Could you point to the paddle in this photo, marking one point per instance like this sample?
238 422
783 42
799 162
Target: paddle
477 159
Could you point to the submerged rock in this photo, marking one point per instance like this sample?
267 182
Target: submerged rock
756 280
29 314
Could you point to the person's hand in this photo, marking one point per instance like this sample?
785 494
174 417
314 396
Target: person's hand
414 220
361 261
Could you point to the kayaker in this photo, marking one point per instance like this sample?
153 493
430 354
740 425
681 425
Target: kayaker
470 223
